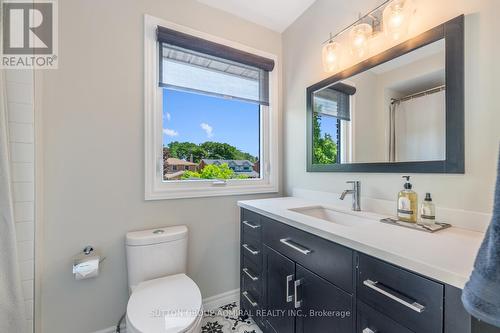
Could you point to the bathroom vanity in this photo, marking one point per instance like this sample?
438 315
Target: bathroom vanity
345 272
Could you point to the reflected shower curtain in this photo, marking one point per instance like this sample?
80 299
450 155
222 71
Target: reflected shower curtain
392 131
12 312
417 129
421 128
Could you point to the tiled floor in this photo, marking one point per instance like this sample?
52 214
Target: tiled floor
227 319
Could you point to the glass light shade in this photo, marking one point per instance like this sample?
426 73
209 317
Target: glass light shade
360 38
331 56
396 18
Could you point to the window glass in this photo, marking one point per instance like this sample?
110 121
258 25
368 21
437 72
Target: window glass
209 137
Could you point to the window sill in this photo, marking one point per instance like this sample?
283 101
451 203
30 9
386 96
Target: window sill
204 192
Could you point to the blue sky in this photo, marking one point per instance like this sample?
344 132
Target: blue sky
328 124
198 118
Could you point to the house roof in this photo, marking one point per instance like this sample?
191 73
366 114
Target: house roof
237 162
176 161
251 174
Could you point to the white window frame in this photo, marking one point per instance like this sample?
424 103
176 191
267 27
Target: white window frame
155 187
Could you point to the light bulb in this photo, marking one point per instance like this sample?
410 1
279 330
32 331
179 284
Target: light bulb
396 18
360 37
331 56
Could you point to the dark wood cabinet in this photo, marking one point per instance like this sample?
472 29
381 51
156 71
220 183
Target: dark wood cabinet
414 301
279 277
295 282
331 261
297 300
324 307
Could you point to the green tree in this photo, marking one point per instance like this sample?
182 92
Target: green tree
184 151
324 148
209 150
218 150
212 171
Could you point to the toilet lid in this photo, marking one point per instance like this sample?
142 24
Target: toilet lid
165 305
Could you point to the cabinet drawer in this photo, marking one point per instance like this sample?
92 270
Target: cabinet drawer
413 301
253 252
249 303
331 261
251 225
371 321
251 277
254 242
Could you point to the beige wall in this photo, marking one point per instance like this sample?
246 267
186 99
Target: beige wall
92 159
302 67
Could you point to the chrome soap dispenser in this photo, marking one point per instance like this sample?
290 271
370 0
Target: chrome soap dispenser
407 203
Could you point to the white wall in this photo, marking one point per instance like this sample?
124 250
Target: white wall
93 157
302 67
19 85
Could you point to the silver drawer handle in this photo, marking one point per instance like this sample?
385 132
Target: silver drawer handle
254 252
295 246
247 272
289 298
252 303
367 330
296 285
253 226
414 306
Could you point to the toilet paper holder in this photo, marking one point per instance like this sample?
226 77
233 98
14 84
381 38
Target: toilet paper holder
86 264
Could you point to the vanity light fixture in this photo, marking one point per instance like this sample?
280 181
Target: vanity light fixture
396 18
360 36
392 16
331 56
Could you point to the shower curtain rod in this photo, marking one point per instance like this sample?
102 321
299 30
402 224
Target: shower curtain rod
419 94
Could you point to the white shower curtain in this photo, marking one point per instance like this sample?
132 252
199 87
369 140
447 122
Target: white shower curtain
12 310
420 128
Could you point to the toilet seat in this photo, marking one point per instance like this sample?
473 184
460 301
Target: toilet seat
170 304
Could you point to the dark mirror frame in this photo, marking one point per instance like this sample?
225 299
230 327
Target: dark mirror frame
453 33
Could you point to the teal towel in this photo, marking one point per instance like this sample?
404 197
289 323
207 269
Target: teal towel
481 295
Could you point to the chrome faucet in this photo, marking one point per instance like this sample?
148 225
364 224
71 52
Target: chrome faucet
356 194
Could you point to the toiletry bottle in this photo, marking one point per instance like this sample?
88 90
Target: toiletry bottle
407 203
428 210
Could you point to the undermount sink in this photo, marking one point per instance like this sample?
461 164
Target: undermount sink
331 215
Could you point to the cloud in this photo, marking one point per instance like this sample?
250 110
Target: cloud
169 116
170 132
208 129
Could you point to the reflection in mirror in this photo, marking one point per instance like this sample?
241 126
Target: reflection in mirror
393 112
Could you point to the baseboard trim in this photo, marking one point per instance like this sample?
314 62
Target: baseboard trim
209 304
112 330
216 301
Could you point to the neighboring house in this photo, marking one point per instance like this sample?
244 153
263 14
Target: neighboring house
256 166
174 168
240 167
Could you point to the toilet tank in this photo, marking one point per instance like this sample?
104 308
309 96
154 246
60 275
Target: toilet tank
155 253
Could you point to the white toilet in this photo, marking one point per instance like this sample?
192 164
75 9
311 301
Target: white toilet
163 298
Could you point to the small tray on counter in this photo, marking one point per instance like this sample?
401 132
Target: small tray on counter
417 226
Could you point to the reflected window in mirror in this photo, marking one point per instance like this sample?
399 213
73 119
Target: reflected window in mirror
331 128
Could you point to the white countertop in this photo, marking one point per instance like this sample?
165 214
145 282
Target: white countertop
447 255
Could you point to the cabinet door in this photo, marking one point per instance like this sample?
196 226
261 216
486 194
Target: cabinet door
325 308
280 273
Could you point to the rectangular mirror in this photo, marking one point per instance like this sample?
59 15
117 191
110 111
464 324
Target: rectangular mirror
400 111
